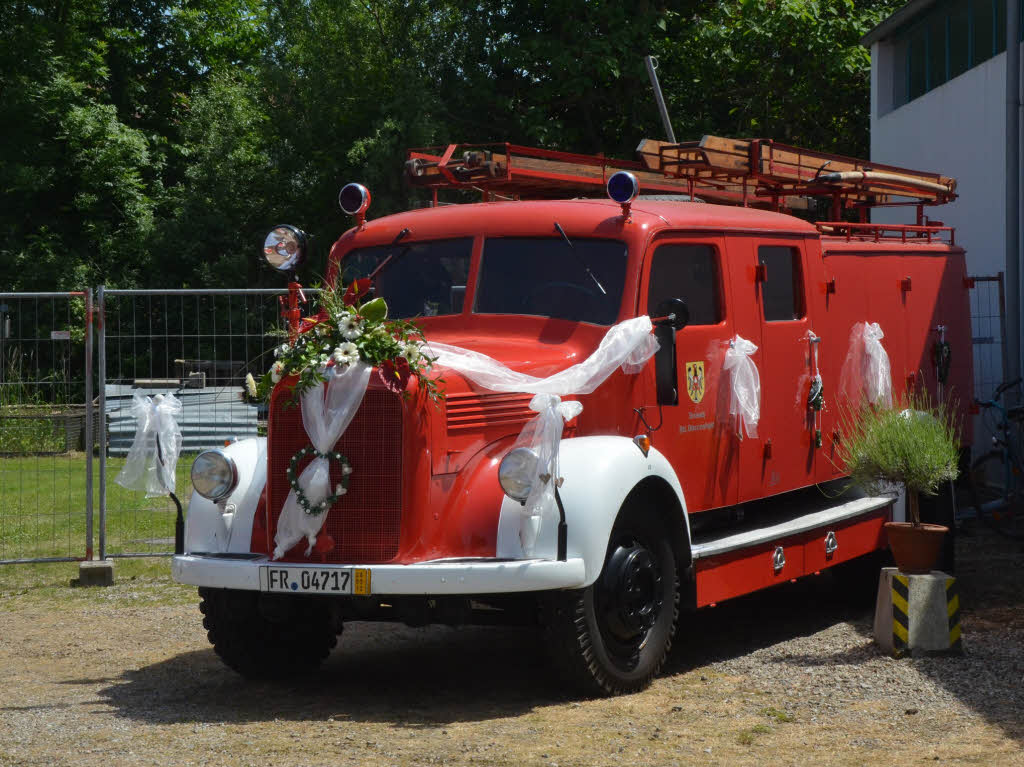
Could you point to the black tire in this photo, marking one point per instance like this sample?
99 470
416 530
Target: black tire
1004 512
613 636
264 636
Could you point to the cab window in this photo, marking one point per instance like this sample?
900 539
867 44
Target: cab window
549 278
689 272
782 286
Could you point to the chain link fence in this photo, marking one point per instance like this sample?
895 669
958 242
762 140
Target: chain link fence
197 345
46 427
988 332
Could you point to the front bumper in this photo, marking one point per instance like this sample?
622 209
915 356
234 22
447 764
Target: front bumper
438 577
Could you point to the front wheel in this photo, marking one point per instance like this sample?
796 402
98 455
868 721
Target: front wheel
613 636
268 636
997 492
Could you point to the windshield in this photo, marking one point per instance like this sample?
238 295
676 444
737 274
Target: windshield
422 279
547 277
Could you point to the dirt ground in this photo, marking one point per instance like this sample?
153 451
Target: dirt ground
125 676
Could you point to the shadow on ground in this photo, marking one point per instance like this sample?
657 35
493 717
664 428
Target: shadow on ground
432 676
379 672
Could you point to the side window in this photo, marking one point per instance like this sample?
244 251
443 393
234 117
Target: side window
782 288
689 272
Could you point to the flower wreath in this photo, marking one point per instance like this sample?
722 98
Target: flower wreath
339 490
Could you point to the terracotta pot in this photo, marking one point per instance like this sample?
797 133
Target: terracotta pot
915 549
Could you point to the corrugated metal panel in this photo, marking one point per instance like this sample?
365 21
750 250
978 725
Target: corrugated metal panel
209 417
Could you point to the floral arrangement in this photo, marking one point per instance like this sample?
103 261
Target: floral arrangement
346 331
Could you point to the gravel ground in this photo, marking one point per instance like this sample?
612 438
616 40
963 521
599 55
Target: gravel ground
125 676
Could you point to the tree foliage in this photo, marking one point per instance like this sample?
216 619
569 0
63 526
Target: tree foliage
154 144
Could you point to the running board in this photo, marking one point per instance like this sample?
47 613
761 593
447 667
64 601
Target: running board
800 524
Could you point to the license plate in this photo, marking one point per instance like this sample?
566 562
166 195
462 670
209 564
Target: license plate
316 580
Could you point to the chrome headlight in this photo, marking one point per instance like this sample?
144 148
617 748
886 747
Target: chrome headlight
214 475
517 473
285 248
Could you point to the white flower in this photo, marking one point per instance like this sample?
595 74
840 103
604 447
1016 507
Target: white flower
346 354
350 327
411 352
280 350
250 384
340 490
277 371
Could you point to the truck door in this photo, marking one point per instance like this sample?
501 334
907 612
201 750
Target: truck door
783 457
697 443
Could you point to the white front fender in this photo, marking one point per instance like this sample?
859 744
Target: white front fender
218 528
599 474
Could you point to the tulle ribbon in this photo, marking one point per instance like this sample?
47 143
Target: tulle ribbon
877 373
627 345
744 386
326 413
153 457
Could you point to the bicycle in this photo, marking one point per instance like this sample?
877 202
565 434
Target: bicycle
996 478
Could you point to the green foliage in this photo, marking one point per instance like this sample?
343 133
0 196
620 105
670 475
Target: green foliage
154 145
914 445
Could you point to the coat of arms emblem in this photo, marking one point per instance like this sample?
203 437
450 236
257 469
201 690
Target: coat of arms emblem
695 380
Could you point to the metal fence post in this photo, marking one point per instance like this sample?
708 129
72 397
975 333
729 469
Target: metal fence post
88 423
101 380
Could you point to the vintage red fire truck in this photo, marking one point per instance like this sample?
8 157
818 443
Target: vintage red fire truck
667 498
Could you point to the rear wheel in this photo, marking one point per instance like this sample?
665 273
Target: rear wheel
998 495
613 636
263 636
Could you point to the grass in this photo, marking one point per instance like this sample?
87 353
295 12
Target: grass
42 508
779 716
22 433
747 737
145 580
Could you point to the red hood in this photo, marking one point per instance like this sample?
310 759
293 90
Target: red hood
541 353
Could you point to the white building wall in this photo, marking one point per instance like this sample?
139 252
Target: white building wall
957 130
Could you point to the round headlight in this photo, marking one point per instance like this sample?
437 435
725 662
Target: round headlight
285 248
517 473
214 475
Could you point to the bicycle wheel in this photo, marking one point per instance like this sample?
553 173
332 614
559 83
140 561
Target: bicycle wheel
997 492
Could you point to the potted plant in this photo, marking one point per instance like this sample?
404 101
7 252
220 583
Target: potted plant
913 445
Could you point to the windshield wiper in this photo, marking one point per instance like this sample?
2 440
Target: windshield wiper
580 258
391 255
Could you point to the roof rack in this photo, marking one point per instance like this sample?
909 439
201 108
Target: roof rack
751 172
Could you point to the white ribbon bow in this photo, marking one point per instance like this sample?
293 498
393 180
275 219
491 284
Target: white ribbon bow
877 373
745 386
543 435
153 456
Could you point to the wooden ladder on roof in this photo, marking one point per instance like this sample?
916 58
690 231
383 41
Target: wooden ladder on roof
751 172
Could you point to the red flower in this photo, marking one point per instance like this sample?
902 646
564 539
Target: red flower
395 374
355 290
324 545
308 323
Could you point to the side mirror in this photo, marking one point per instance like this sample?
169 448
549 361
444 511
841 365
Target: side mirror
673 313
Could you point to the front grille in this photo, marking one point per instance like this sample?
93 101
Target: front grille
366 522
